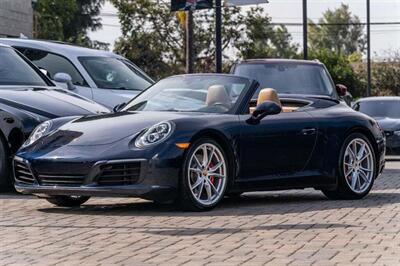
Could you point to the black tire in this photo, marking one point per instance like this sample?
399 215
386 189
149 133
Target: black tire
343 190
5 167
186 199
67 201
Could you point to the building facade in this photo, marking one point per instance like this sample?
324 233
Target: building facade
16 18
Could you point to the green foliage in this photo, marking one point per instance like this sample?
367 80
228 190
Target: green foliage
69 21
262 40
152 36
341 37
385 78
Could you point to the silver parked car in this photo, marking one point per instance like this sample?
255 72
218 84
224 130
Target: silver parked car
102 76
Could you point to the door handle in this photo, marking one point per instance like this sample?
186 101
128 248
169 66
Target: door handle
308 131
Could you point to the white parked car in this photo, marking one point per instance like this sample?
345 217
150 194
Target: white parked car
102 76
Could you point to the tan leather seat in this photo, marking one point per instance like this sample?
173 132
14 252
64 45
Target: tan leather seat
268 94
217 95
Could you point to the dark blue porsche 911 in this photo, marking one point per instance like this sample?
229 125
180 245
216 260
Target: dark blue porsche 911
197 138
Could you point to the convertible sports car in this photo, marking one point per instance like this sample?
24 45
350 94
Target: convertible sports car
198 138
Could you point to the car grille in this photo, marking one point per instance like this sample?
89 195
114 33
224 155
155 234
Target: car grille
60 180
118 174
23 173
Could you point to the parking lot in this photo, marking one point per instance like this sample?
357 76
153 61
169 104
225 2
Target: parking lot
295 227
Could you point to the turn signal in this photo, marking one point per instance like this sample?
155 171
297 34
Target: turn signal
183 145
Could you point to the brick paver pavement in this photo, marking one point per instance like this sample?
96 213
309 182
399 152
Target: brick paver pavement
275 228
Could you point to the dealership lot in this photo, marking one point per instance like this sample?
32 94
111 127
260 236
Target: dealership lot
295 227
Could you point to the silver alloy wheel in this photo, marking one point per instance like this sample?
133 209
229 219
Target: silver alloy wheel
358 165
207 174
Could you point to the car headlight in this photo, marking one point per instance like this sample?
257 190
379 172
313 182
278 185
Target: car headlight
154 134
40 131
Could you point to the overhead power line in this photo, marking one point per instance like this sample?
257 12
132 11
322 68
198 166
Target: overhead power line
336 24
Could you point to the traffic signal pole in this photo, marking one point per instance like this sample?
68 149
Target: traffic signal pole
218 36
305 31
368 49
189 42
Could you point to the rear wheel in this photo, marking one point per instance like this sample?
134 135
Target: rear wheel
5 169
205 176
357 169
67 201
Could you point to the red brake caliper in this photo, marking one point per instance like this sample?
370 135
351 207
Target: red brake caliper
212 178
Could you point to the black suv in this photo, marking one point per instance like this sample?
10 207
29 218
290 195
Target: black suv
292 77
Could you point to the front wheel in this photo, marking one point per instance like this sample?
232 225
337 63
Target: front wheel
68 201
204 177
357 169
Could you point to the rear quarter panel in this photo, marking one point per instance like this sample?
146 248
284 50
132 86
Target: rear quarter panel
335 123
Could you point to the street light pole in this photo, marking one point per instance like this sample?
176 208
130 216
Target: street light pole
305 31
368 49
189 42
218 36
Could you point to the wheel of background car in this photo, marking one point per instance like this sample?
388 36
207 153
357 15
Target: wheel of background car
205 176
5 166
357 169
67 201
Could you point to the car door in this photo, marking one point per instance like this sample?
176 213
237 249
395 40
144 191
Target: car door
279 145
54 63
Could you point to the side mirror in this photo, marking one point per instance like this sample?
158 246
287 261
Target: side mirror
341 89
118 107
264 109
64 78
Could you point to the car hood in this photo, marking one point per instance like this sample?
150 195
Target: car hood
388 124
106 129
49 101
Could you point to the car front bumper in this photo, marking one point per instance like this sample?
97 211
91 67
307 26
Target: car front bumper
393 145
140 191
143 178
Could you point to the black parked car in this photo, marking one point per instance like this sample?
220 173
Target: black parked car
293 77
196 138
28 98
386 111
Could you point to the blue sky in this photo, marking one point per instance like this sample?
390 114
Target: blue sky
383 37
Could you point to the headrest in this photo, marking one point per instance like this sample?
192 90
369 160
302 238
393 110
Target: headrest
217 94
268 94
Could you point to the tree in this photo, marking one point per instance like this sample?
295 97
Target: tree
262 40
69 21
339 31
385 75
153 38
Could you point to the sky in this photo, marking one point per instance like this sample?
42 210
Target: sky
383 37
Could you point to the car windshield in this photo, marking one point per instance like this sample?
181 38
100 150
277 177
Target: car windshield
288 78
191 93
14 70
112 73
385 108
